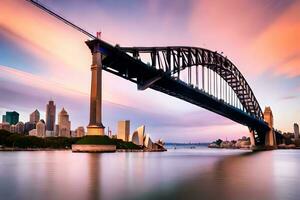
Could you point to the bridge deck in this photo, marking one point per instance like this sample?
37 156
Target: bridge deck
123 65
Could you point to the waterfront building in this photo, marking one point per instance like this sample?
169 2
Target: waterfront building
29 126
3 118
138 136
73 134
12 117
148 142
114 137
5 126
50 115
41 129
49 133
64 124
79 131
20 127
123 130
32 132
12 129
296 131
34 117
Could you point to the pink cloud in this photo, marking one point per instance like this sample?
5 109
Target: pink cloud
252 36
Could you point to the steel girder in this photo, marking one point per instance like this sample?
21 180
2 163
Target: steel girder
174 59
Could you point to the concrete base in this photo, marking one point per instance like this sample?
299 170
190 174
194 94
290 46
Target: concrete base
95 130
88 148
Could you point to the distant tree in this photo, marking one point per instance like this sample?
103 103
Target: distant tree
218 142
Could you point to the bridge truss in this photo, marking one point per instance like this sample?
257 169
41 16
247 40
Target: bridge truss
202 69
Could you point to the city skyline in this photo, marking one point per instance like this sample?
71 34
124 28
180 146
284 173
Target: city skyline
281 82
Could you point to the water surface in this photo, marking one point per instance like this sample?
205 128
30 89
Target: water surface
199 173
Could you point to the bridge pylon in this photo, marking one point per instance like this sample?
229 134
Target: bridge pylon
270 140
264 139
95 126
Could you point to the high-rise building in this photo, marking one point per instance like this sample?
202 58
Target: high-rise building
296 131
41 129
34 117
50 116
123 130
11 117
64 124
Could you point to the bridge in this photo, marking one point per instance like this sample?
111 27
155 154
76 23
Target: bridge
196 75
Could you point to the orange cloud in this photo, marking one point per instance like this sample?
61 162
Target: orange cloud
277 47
47 38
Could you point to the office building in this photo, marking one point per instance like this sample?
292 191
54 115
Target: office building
79 131
12 129
56 130
20 127
32 132
41 129
11 117
64 124
5 126
50 116
123 130
34 117
28 127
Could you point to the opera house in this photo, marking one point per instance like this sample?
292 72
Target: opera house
140 138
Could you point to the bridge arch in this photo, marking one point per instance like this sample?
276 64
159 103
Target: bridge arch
221 72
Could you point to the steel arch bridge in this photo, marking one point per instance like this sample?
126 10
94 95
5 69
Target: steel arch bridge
173 60
196 75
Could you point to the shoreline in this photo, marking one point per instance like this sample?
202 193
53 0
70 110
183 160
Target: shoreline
248 148
69 149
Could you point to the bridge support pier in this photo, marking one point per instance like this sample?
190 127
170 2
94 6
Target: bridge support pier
270 140
95 126
252 138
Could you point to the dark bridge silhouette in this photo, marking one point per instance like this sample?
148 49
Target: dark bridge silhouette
196 75
219 85
223 89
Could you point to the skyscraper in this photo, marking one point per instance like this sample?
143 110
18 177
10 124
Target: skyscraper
12 117
50 116
64 124
296 131
123 130
34 117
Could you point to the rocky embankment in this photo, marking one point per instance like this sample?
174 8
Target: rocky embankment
243 143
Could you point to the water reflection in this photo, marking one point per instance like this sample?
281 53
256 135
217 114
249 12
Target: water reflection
177 174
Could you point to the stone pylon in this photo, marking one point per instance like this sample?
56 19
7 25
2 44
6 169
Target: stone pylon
270 135
252 138
95 126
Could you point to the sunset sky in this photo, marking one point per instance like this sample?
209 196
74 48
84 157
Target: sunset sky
42 58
